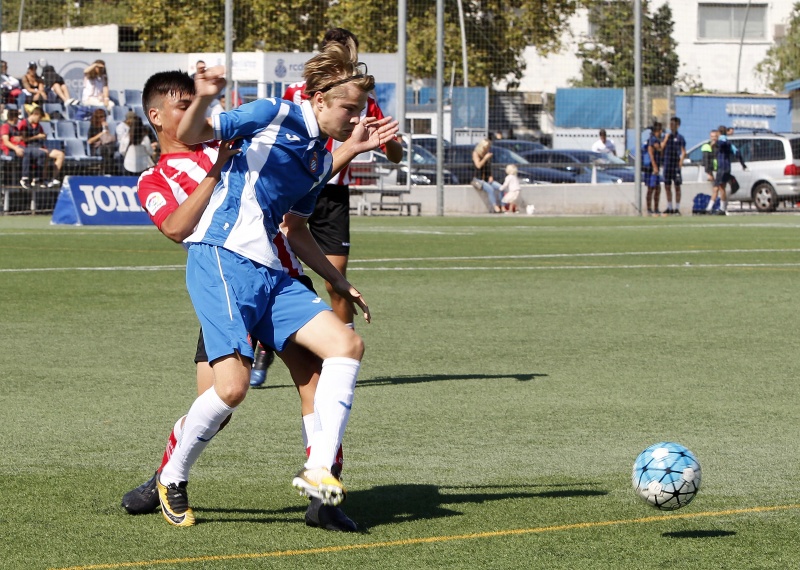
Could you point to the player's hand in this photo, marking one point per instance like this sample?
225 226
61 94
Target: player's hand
226 150
210 81
371 133
350 293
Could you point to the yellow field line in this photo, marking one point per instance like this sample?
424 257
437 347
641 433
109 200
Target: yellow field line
430 539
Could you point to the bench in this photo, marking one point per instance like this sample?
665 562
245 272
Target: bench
388 200
42 199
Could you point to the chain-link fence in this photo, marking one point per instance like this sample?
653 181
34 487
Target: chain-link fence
534 77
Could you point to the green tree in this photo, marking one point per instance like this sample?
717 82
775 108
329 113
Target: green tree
608 57
46 14
782 63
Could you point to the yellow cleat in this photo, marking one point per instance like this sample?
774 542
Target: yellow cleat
319 483
175 504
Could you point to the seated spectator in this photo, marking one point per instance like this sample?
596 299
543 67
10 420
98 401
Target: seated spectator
95 86
33 86
102 142
10 85
136 148
14 141
483 180
32 133
54 84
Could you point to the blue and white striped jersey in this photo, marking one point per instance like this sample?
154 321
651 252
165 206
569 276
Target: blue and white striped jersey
281 168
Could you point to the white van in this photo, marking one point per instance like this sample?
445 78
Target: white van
773 168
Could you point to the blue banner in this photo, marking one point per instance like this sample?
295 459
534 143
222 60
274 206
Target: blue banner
589 108
99 201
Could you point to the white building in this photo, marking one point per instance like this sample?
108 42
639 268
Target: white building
708 34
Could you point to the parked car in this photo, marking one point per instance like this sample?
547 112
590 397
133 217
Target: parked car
576 163
375 168
606 163
428 142
458 159
773 168
518 145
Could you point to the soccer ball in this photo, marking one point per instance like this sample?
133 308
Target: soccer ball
666 475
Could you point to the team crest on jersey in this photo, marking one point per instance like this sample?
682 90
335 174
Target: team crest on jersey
313 164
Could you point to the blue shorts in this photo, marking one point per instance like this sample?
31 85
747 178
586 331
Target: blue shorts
651 180
233 295
722 178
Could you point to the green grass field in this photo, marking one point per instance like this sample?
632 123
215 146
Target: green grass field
515 368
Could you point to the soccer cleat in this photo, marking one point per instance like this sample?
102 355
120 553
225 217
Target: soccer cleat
25 183
143 499
328 517
321 484
264 357
54 183
175 503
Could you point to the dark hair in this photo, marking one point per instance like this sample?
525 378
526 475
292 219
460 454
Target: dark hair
338 35
602 132
657 126
165 83
12 114
722 129
676 119
138 131
98 116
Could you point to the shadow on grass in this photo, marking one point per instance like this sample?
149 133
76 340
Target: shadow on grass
699 534
387 504
424 378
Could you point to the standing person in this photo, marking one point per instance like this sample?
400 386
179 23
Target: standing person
233 274
483 179
136 148
725 151
33 134
95 86
102 142
709 160
604 144
653 180
511 188
674 152
175 193
330 222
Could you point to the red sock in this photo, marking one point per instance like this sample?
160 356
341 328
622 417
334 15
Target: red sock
171 443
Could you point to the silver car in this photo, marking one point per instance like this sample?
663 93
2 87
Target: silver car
773 168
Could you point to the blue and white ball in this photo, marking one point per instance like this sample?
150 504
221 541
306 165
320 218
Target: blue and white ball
666 475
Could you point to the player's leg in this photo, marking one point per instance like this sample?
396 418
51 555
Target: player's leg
330 226
222 289
668 192
304 368
341 350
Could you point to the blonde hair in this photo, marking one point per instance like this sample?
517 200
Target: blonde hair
482 146
511 169
332 67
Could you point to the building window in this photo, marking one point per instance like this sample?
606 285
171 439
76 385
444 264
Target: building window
725 22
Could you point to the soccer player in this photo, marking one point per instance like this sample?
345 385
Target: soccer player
330 222
674 152
175 193
233 274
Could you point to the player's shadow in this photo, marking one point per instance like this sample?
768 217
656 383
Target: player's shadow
425 378
699 534
387 504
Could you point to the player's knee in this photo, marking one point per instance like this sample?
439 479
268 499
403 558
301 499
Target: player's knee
351 345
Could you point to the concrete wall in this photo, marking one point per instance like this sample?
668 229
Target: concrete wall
552 199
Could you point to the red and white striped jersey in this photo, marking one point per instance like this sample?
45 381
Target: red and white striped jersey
296 93
166 186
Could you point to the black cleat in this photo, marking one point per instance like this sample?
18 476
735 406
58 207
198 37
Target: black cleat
328 517
143 499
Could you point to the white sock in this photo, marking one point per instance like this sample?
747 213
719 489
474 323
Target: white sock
177 431
332 403
309 421
202 423
723 205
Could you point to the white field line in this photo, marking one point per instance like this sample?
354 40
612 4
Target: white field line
354 263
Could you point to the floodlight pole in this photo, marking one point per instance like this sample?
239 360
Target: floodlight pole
228 53
637 102
439 107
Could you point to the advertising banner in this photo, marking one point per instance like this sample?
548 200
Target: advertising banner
99 201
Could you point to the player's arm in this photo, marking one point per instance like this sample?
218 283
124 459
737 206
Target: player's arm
305 247
394 151
181 223
194 127
368 135
651 152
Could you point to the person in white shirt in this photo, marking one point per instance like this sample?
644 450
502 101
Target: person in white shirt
604 145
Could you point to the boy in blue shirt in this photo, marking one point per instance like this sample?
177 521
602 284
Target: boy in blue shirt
234 276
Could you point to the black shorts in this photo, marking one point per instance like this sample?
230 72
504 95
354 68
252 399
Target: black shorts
672 175
200 354
722 178
330 222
